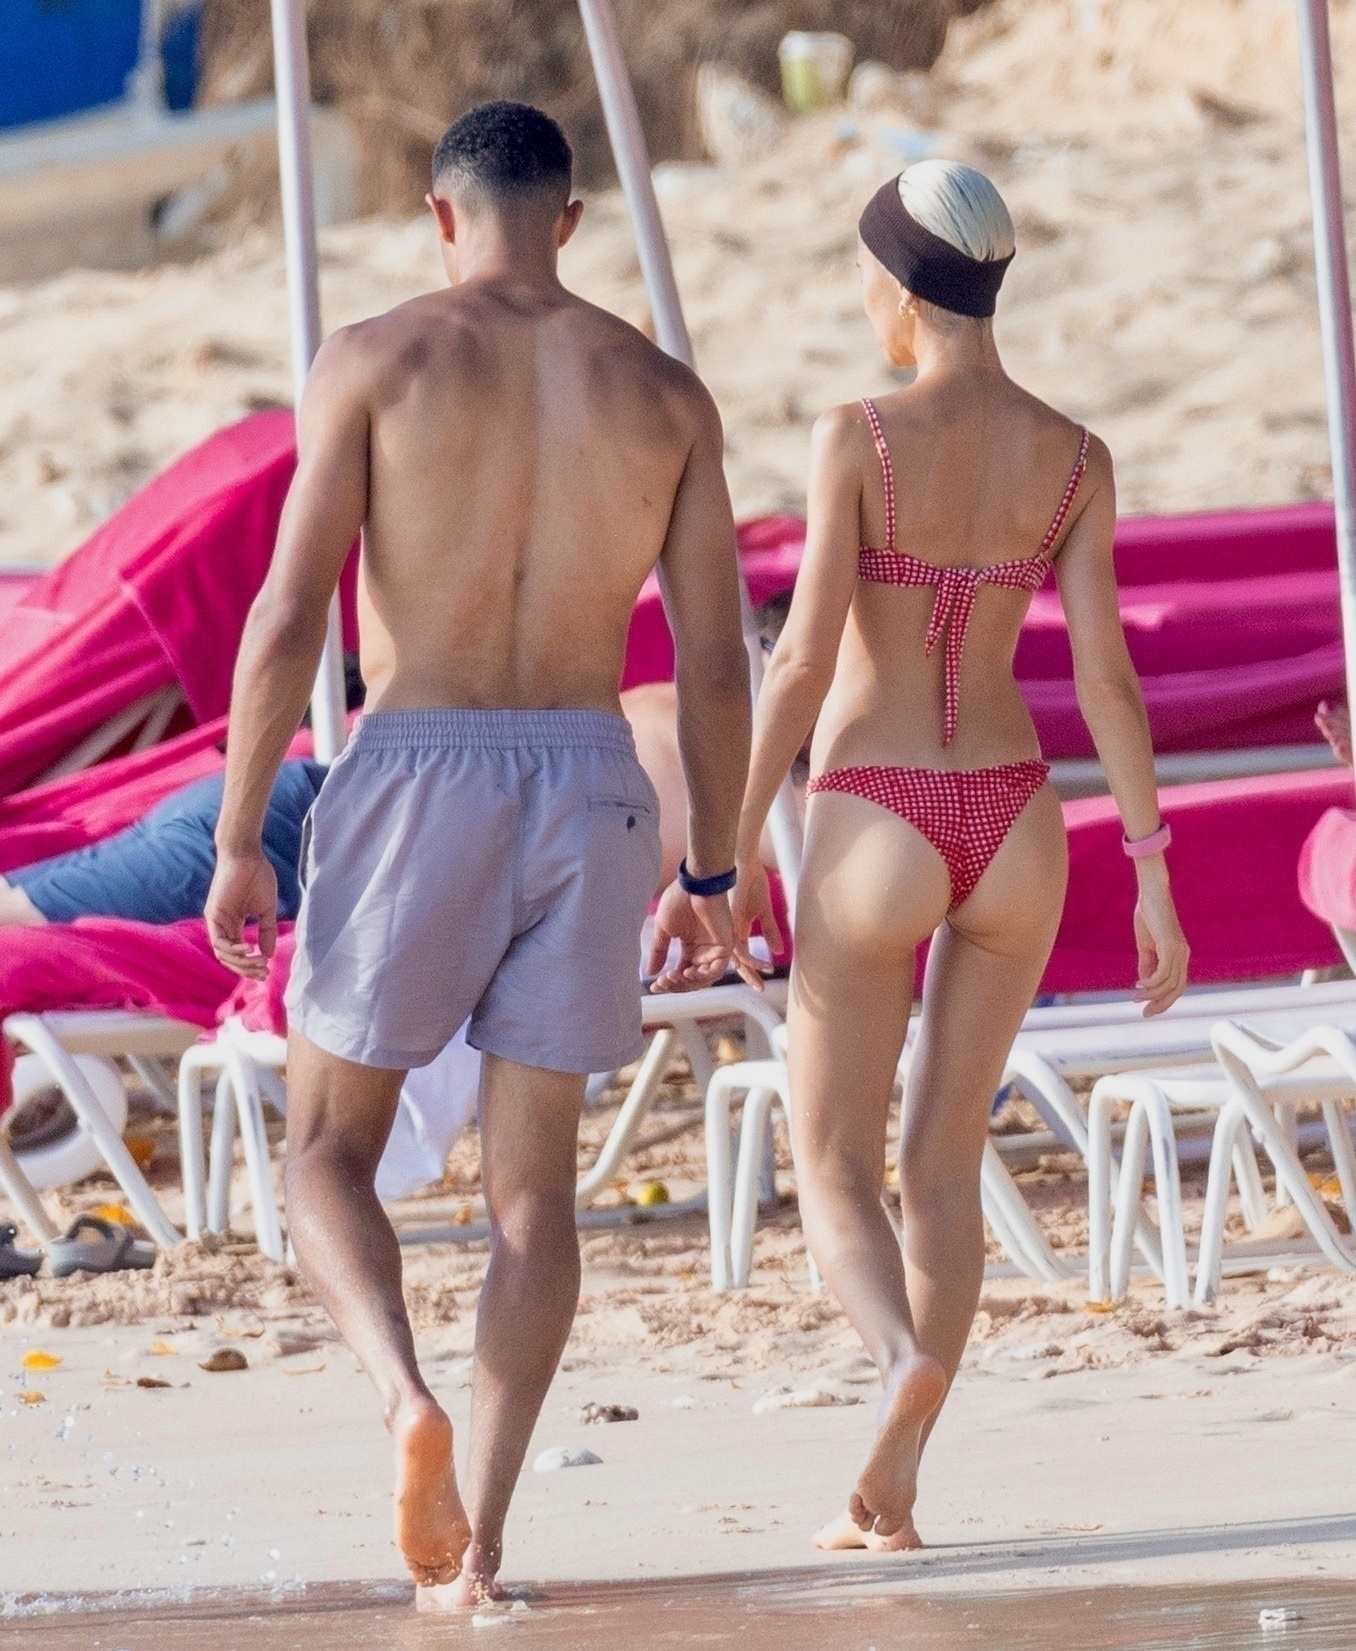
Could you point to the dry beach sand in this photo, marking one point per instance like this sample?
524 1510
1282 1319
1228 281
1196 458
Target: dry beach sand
1164 290
1080 1447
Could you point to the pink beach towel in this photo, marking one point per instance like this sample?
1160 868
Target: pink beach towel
1232 618
1233 856
156 597
107 963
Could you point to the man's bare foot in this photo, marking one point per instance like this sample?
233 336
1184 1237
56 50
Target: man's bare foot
432 1530
842 1533
1333 721
883 1500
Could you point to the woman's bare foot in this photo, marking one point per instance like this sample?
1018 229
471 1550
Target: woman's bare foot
432 1530
883 1500
842 1533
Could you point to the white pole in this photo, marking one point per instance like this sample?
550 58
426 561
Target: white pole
146 83
632 155
291 74
1334 300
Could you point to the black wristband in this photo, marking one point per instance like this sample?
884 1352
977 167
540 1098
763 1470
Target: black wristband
722 883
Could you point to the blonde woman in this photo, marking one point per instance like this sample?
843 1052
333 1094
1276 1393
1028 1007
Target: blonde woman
934 513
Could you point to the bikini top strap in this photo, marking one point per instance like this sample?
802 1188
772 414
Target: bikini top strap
887 470
1070 494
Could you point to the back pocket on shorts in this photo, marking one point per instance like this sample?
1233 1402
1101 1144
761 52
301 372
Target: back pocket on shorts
637 809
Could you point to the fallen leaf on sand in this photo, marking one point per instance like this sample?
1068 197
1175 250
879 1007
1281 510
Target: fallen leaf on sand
36 1359
1099 1306
151 1381
32 1396
162 1349
142 1148
225 1358
115 1212
110 1378
302 1370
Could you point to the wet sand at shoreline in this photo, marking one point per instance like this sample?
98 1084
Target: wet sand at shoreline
860 1608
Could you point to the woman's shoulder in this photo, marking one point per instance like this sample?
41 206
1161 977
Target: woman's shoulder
843 434
1063 431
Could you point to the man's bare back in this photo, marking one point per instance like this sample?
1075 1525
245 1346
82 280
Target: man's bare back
485 848
526 450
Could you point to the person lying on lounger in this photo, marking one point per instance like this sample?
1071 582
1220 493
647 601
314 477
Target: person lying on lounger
159 869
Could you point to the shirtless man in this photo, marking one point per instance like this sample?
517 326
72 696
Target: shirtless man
518 461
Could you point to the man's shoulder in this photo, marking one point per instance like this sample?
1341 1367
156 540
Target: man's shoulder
631 350
388 337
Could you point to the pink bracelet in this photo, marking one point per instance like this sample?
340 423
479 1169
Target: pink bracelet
1154 843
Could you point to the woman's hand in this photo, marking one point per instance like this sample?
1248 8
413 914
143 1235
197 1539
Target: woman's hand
751 903
1162 947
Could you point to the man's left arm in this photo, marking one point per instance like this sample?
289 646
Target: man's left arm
282 643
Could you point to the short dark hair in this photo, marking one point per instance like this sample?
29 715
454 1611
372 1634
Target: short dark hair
769 618
503 150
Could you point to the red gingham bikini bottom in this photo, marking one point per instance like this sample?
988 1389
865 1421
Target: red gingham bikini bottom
965 814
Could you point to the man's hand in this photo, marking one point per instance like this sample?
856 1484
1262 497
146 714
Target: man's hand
701 924
244 890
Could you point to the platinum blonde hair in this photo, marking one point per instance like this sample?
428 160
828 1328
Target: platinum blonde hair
959 206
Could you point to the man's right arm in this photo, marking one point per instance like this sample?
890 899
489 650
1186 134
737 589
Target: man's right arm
282 642
699 580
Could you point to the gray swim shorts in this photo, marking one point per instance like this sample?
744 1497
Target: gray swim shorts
495 865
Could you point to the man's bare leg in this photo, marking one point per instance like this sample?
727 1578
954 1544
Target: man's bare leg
529 1129
339 1115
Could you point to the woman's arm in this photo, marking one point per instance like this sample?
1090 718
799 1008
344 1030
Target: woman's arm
1113 707
802 665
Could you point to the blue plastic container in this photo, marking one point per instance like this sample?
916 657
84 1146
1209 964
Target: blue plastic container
60 56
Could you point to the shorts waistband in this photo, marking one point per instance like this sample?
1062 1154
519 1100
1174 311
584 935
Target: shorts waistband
493 730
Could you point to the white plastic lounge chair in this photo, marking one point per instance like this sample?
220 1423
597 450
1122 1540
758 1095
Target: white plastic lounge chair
734 1190
1057 1043
246 1065
56 1038
1269 1081
1264 1072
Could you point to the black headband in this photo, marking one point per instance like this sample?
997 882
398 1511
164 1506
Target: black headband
932 269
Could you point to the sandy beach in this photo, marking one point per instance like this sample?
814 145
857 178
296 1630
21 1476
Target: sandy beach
1080 1447
1164 294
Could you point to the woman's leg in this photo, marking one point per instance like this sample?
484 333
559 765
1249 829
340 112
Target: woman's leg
983 972
872 887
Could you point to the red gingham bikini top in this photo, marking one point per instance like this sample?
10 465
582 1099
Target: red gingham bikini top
956 587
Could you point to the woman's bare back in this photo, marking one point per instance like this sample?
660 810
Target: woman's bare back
977 484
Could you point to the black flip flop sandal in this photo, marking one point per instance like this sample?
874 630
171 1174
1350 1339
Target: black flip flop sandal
110 1249
14 1262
